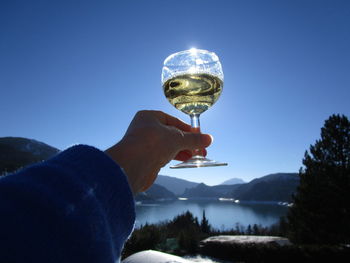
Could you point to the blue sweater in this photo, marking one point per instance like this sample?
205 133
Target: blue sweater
76 207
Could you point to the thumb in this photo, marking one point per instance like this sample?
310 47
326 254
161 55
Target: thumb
196 140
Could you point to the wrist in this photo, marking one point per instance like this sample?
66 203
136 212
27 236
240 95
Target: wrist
122 158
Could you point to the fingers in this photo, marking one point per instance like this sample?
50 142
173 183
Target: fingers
195 140
189 139
169 120
183 155
172 121
187 154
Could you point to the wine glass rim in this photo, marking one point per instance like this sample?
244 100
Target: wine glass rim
194 51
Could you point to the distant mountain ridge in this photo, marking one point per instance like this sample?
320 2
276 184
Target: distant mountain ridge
175 185
233 181
272 187
277 187
156 192
200 191
17 152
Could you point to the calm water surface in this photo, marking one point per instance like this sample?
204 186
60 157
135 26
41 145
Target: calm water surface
221 214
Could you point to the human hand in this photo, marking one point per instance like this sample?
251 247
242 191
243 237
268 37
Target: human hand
152 140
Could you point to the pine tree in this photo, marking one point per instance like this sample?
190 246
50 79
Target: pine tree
256 230
321 210
249 230
205 226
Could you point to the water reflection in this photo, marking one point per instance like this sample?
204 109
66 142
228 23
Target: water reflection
221 215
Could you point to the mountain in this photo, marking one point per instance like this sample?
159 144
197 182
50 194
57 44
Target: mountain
277 187
16 152
155 192
225 190
175 185
233 181
204 191
273 187
201 191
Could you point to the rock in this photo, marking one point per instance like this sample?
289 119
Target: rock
247 248
248 239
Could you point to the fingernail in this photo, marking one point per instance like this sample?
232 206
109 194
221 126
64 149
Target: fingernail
208 139
212 138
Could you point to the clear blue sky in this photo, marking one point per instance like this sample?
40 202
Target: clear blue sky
77 71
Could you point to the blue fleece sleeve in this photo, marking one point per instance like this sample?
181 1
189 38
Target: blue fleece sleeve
75 207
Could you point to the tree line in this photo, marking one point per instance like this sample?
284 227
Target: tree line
182 234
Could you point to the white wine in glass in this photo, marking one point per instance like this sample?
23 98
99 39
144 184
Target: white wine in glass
192 82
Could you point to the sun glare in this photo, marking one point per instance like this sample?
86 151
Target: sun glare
193 50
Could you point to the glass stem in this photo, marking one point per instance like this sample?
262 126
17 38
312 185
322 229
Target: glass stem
195 127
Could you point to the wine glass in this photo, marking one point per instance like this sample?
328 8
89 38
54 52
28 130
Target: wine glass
192 82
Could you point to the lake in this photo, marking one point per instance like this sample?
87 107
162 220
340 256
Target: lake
222 215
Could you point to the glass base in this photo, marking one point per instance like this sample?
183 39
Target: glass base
196 162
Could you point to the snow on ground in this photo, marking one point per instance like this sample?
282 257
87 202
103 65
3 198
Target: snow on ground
152 256
203 259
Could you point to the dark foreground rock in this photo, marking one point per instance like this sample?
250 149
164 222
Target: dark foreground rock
269 249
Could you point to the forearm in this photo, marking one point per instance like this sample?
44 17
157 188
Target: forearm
77 206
